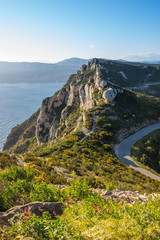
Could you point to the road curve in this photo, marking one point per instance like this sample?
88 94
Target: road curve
123 150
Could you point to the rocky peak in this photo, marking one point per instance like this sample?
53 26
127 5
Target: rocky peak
83 90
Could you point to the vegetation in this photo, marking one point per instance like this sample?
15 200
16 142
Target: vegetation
88 216
136 73
82 162
147 152
64 162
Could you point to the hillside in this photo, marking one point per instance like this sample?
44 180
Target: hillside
65 153
25 72
77 128
89 102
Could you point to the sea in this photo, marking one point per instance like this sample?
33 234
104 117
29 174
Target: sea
19 101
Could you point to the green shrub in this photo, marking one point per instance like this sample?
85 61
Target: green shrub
78 190
15 173
17 192
42 192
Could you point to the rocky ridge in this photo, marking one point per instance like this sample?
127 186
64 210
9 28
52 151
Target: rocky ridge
78 92
98 82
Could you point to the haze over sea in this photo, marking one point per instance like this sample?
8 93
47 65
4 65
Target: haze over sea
19 101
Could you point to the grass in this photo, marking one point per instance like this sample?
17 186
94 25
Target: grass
88 216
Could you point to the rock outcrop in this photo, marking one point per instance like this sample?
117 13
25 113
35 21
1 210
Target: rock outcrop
80 91
129 197
35 207
110 94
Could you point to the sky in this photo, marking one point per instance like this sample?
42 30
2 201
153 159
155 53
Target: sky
53 30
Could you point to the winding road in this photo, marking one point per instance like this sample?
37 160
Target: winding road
123 150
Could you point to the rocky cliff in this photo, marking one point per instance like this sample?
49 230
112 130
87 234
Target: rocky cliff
96 84
80 91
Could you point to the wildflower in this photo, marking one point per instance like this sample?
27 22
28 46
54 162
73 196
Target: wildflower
100 218
39 208
68 203
54 213
100 212
95 204
26 209
96 210
22 220
109 210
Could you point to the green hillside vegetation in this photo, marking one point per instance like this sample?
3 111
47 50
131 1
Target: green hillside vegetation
81 161
147 152
86 216
88 159
136 73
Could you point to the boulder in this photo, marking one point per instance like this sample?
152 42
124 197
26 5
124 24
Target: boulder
110 94
33 208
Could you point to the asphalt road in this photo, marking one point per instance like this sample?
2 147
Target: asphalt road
123 149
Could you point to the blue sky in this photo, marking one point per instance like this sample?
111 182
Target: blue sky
53 30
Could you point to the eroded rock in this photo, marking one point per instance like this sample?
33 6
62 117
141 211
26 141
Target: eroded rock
50 207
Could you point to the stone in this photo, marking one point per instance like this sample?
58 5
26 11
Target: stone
108 192
110 94
103 84
50 207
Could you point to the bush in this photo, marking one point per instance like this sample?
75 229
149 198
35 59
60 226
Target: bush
43 192
17 193
78 190
15 173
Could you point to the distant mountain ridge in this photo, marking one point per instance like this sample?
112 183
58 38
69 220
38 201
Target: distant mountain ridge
26 72
35 72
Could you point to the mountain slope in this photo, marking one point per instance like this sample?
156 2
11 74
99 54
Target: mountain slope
76 62
38 72
90 103
73 134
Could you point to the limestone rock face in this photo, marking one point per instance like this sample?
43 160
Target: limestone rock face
78 92
86 96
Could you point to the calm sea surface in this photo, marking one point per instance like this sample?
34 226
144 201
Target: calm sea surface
19 101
